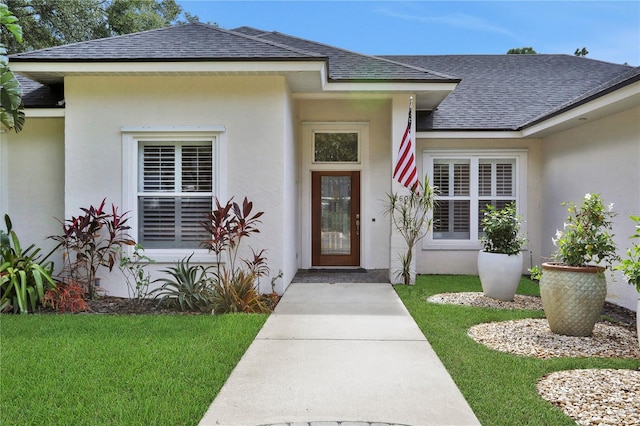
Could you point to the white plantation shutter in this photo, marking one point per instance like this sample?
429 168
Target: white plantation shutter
175 193
452 212
466 183
498 190
197 168
159 169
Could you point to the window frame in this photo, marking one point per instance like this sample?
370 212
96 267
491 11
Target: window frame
132 140
519 156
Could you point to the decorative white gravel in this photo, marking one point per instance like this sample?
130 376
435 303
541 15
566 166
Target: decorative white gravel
481 301
532 337
595 397
589 397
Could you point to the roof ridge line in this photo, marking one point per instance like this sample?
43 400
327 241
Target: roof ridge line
439 74
360 54
269 42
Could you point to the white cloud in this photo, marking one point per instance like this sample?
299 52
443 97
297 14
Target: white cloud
458 20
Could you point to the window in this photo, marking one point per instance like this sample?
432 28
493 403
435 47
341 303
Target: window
170 179
335 147
467 183
174 193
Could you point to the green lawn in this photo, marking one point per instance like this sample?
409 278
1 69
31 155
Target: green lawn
120 370
501 388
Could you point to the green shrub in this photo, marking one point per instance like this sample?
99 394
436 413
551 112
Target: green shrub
24 276
234 293
188 287
502 230
630 266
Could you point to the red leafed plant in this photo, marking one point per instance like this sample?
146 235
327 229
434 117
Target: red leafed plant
92 240
66 297
235 289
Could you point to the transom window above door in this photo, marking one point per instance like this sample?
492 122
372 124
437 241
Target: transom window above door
336 147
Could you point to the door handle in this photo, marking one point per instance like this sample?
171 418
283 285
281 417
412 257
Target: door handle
357 224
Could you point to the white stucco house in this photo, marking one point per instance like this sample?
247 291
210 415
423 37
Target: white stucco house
310 133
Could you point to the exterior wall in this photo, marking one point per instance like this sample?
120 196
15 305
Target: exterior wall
597 157
32 176
254 111
464 261
376 172
290 216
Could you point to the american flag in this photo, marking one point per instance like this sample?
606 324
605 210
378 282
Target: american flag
406 171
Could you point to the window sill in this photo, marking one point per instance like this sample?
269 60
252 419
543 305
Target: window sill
176 255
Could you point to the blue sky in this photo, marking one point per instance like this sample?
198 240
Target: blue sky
610 30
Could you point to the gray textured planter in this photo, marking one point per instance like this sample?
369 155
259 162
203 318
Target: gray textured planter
572 297
499 274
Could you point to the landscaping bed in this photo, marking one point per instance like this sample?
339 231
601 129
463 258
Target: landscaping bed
507 388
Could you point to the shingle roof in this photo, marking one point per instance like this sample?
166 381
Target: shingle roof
36 95
496 92
179 43
506 92
345 65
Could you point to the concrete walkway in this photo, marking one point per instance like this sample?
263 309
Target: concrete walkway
339 354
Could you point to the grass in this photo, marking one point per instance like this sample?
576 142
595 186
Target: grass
500 387
124 370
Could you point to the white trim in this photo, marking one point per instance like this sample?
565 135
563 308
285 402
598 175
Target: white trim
308 128
44 112
175 129
396 87
188 67
469 134
521 159
131 138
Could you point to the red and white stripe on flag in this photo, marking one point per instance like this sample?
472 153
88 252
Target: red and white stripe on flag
406 171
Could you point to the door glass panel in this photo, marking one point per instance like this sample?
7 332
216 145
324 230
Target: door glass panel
336 215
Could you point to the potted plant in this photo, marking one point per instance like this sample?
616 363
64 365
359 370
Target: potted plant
630 267
573 288
500 262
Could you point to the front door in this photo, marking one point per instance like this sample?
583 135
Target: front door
335 218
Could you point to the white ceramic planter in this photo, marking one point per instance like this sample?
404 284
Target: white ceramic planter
500 274
638 321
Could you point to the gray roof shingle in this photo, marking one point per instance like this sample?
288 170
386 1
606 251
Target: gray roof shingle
178 43
506 92
496 92
345 65
37 95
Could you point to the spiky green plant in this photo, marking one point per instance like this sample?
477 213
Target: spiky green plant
187 287
410 218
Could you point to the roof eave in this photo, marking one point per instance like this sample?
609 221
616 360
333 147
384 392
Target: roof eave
618 98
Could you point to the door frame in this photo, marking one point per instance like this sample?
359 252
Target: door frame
308 166
354 259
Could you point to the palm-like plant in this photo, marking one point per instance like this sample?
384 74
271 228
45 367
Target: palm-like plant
24 276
